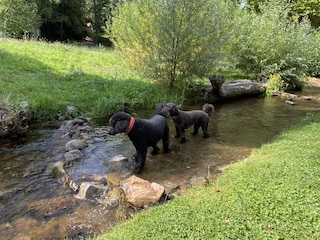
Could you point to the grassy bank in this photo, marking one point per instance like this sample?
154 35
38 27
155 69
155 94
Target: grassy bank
273 195
52 76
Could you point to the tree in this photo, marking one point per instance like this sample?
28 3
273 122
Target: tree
269 43
298 9
310 8
98 13
63 19
19 17
172 40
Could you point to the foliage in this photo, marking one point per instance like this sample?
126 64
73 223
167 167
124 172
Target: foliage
172 40
50 77
298 9
314 64
269 43
98 12
58 20
18 17
273 195
304 8
275 85
63 20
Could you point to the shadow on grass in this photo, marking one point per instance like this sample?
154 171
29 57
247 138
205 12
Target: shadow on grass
49 92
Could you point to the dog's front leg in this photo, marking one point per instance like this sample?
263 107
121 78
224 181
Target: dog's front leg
140 161
165 143
182 135
177 132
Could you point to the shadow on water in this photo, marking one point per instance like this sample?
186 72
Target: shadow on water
34 204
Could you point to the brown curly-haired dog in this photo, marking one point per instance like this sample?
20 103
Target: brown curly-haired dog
185 119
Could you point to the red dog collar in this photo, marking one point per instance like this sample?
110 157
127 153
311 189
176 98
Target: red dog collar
131 123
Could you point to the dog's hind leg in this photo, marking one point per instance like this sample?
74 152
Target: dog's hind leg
196 127
155 150
205 130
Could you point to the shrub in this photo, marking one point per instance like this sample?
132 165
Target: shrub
172 40
269 43
275 84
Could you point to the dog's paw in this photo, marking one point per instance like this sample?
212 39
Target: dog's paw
205 135
138 169
183 140
155 151
167 150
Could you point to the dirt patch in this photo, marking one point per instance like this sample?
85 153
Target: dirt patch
313 82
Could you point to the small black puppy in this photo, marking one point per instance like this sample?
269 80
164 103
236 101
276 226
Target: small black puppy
143 133
185 119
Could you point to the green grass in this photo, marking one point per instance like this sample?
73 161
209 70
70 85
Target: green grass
275 194
52 76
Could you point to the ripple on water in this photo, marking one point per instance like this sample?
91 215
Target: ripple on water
33 204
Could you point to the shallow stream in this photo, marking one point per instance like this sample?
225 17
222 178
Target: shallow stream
34 205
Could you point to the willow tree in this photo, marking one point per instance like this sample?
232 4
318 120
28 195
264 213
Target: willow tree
172 40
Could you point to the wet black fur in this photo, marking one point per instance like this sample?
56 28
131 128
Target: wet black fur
144 133
185 119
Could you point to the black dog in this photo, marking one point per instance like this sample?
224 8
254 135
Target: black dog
185 119
143 133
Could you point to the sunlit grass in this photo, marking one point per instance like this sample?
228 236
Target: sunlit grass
51 76
273 195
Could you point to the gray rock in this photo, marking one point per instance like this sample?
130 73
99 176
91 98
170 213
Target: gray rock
91 191
76 144
72 155
119 163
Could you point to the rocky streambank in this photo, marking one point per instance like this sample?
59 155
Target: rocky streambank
98 189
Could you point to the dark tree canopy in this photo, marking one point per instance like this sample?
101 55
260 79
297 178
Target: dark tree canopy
57 20
63 20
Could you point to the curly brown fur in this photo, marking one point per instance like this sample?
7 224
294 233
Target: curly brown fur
185 119
143 134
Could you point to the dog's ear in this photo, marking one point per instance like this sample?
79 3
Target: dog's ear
162 109
158 107
173 109
121 126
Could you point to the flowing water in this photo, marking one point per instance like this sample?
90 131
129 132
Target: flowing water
34 205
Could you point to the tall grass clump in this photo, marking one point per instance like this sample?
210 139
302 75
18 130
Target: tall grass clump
49 77
274 194
269 42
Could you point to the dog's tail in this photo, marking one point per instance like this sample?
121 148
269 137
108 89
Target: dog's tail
208 108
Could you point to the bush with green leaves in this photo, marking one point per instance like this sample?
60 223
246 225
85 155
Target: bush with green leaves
275 85
18 17
270 43
172 40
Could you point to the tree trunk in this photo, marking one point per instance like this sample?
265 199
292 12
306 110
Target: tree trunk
219 90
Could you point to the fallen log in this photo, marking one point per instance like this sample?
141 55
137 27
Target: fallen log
220 90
